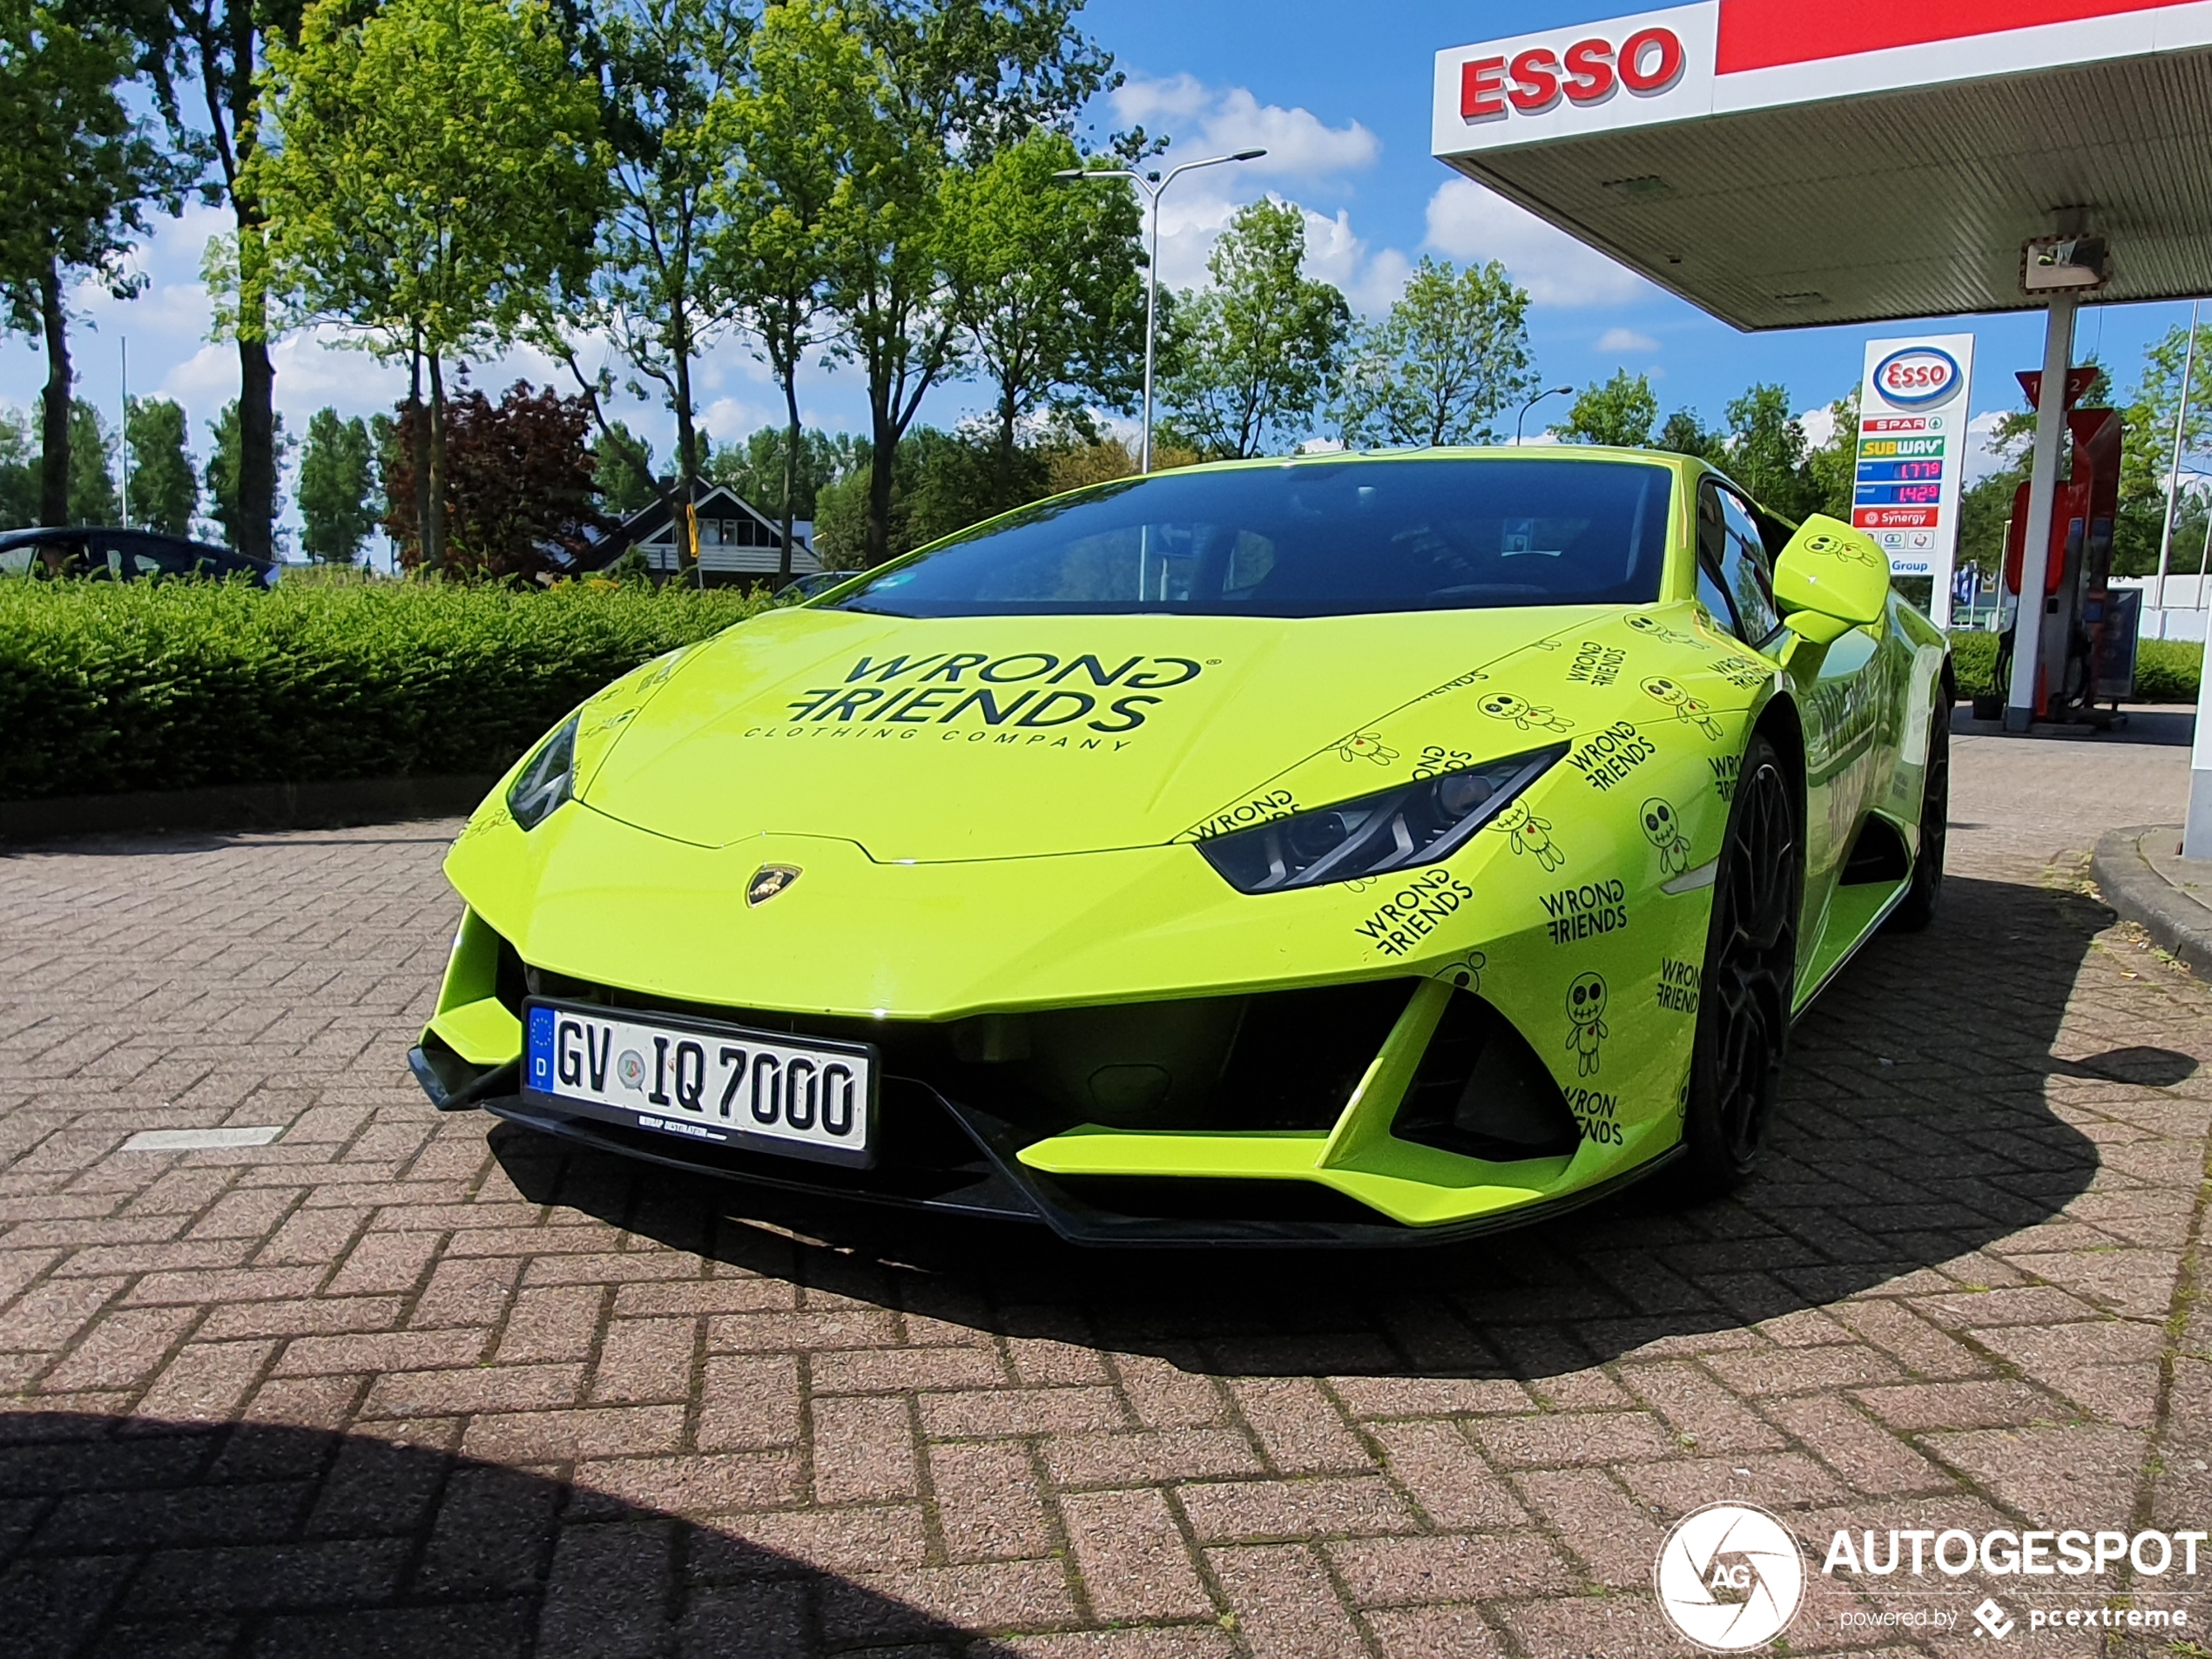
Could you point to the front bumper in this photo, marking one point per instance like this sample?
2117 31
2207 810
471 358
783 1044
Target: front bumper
961 1163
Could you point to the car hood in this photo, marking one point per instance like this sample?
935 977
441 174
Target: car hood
940 740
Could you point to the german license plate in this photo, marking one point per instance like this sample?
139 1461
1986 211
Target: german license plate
702 1082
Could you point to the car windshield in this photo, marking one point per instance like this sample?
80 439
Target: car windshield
1307 539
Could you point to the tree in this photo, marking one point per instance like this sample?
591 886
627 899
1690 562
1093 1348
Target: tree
207 48
788 130
1621 411
1833 466
165 493
622 470
1255 353
18 471
337 488
946 84
226 470
523 498
1685 434
2147 456
658 292
440 173
91 482
758 468
79 174
1047 287
1452 352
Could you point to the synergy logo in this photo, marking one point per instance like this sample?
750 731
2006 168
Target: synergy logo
1917 376
1730 1577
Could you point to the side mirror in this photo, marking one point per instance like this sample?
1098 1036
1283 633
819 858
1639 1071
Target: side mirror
1830 579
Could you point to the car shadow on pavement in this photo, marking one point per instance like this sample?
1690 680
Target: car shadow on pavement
1915 1130
118 1534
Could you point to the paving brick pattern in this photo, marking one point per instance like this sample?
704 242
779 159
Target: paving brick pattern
404 1384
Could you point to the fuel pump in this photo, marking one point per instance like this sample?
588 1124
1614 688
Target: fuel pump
2076 612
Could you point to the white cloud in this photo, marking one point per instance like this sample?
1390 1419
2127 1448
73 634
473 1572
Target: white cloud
1306 155
1468 222
1624 339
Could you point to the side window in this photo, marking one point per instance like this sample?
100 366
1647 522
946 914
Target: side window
1744 567
1710 593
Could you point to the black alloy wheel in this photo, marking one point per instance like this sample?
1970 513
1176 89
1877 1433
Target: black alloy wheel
1918 909
1751 977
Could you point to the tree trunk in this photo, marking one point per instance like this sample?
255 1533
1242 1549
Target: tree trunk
53 475
254 528
418 444
434 528
791 463
882 455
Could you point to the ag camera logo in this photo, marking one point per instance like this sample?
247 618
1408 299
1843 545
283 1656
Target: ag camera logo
1730 1577
1916 376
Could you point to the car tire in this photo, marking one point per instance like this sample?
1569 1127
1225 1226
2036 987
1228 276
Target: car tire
1918 909
1749 982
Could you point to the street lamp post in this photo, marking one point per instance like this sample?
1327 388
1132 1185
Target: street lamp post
1154 186
1549 391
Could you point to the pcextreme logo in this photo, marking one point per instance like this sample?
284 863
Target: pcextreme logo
1730 1577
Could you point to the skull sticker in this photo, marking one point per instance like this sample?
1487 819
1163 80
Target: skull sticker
1689 710
1524 715
1528 833
1366 745
1662 828
1586 1027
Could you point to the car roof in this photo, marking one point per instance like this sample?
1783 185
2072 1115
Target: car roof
37 536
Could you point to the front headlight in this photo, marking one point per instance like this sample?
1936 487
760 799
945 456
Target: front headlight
1415 825
547 780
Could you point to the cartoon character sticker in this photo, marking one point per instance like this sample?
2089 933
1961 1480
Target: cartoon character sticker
1524 715
1689 710
1586 1027
1652 628
1366 745
1850 549
1528 833
1662 828
1468 971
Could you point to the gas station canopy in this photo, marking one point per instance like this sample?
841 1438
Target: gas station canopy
1790 163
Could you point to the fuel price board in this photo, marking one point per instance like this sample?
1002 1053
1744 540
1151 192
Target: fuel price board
1912 452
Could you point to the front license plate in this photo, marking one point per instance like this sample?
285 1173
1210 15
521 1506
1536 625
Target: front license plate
699 1081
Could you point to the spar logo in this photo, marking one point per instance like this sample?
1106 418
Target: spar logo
1917 376
1730 1577
1648 62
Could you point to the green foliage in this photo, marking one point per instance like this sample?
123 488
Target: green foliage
18 470
2166 669
1450 355
223 466
1685 434
622 471
165 491
1047 284
1254 356
755 468
659 292
111 686
521 496
92 498
1832 468
337 488
1767 452
1619 411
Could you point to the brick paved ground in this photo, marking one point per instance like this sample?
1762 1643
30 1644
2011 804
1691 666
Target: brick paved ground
397 1384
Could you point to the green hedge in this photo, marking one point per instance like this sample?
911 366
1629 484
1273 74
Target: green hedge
2166 669
108 686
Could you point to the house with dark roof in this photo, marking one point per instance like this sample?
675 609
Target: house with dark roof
740 545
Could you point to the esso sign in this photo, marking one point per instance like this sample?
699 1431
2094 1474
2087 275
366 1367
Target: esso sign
1916 377
1589 72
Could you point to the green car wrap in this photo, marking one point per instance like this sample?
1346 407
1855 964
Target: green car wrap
990 850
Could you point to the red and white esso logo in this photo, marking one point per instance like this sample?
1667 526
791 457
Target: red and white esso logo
1916 376
1589 72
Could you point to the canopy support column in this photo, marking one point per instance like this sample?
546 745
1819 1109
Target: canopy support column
2042 491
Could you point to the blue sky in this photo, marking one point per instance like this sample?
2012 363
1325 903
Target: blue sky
1339 96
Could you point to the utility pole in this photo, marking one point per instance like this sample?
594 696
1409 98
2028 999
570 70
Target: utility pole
123 432
1154 186
2173 477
